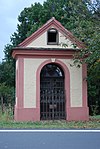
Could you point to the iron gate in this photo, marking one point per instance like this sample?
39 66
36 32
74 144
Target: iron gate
52 97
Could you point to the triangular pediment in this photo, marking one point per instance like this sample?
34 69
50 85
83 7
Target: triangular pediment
39 38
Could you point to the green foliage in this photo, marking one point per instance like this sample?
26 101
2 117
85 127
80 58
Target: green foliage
80 17
3 89
7 93
7 115
7 73
94 88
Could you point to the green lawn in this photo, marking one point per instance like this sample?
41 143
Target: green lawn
6 121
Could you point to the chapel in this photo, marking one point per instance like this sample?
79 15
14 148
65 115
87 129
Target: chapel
48 84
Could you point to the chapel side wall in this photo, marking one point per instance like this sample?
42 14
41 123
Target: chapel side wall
19 89
16 82
19 82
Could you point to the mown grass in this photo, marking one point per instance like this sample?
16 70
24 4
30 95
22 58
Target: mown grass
6 121
51 125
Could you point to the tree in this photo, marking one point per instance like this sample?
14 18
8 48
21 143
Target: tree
7 73
6 96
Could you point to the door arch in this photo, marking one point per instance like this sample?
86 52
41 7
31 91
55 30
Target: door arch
52 92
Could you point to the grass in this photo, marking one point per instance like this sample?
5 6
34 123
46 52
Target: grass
51 125
6 121
97 117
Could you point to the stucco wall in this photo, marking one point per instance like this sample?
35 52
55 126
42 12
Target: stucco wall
41 41
30 68
75 83
16 81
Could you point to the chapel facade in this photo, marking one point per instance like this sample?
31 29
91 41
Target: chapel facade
48 84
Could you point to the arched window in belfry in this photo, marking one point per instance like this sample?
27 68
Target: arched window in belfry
52 93
52 37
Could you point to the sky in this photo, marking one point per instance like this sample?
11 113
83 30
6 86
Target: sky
9 11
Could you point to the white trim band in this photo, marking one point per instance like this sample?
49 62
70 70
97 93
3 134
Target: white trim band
29 130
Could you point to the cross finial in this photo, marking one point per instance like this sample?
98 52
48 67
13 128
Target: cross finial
53 18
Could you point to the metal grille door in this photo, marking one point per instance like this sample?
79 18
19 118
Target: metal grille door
52 97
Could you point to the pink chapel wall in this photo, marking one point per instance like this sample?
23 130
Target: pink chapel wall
23 113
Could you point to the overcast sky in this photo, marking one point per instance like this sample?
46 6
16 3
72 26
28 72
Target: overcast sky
9 11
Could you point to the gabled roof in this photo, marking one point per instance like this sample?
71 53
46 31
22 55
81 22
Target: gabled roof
52 22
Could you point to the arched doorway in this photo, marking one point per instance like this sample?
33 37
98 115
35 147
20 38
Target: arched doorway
52 93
